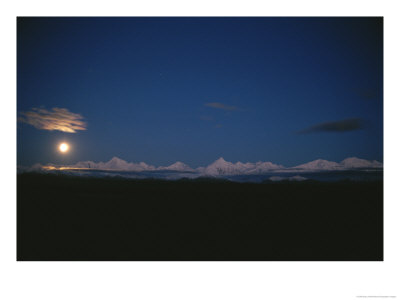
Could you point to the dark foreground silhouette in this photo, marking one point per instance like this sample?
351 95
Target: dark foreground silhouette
72 218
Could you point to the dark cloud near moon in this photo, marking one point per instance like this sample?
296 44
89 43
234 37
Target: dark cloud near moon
335 126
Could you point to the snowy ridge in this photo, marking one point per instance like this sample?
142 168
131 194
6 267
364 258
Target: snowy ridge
178 166
346 164
320 164
354 162
220 167
115 164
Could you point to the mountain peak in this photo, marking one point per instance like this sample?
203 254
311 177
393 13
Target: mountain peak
220 162
178 166
116 159
319 164
355 162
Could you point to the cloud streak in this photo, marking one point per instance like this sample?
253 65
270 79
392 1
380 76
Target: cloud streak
222 106
60 119
337 126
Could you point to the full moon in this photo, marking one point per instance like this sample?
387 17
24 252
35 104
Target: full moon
63 147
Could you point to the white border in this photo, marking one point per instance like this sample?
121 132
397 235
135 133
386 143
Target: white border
196 280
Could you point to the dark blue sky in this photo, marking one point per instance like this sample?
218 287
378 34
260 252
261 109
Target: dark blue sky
286 90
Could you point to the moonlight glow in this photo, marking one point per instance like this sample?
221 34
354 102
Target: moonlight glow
63 147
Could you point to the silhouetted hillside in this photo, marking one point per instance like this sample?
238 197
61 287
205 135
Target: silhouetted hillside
77 218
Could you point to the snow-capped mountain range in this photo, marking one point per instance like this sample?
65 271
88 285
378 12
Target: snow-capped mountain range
220 167
346 164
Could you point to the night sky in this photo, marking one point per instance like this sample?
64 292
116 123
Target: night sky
161 90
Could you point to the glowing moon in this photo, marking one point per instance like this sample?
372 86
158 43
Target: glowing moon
63 147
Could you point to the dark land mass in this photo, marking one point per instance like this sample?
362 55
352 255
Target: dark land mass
73 218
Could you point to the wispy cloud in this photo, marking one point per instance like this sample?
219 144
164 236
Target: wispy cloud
337 126
222 106
55 119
